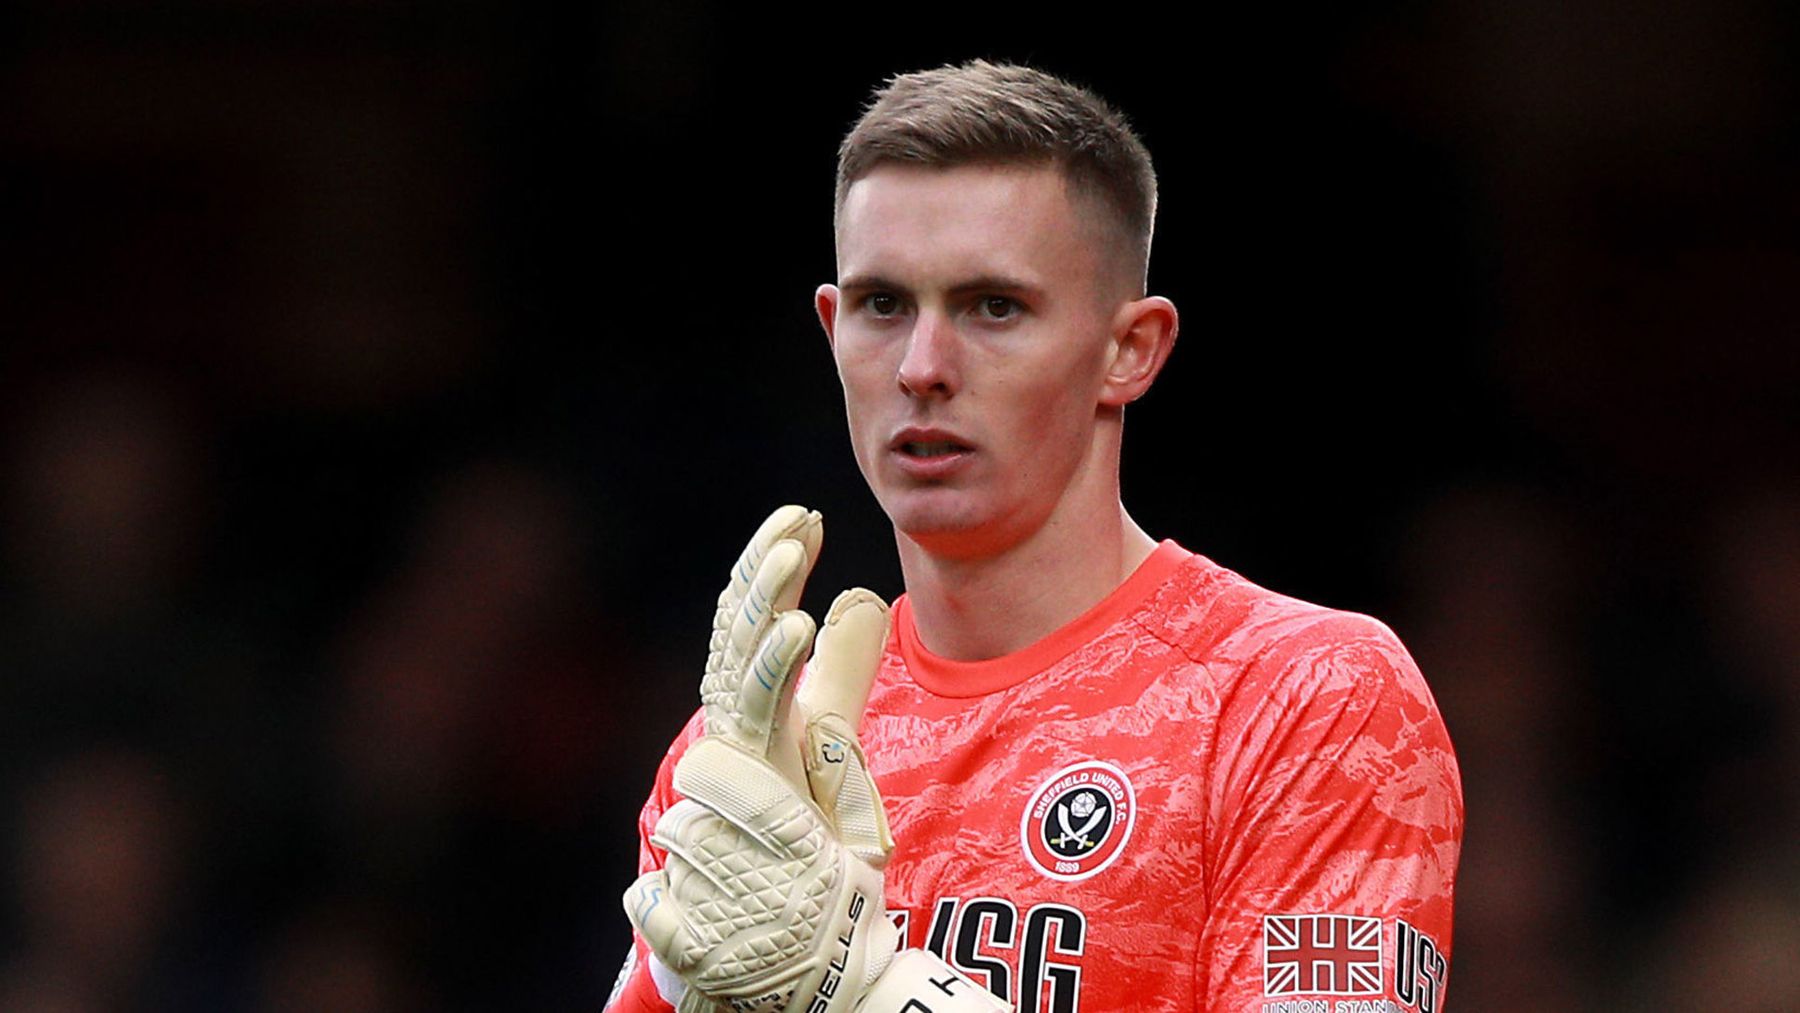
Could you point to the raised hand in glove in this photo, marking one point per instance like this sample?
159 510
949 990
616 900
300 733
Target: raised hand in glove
771 898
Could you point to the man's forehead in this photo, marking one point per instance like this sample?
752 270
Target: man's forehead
908 213
977 187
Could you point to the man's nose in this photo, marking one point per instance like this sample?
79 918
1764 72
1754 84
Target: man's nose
930 366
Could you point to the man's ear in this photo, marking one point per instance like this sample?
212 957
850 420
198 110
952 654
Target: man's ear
825 301
1143 335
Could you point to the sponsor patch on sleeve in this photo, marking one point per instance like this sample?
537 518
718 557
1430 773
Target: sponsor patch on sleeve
1310 960
1321 955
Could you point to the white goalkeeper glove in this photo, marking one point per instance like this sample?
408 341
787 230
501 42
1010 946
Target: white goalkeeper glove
771 899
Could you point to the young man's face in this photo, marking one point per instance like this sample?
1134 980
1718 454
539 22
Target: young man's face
970 325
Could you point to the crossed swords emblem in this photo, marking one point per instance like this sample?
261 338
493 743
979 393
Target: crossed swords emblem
1071 833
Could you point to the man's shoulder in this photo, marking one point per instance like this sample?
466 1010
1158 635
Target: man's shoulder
1217 616
1266 653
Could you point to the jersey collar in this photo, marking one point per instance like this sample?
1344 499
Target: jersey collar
947 677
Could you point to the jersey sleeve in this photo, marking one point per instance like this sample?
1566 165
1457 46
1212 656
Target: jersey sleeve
636 990
1333 829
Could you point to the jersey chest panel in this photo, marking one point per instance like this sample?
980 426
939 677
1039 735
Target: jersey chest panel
1049 835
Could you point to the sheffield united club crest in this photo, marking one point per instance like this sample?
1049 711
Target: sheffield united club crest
1078 820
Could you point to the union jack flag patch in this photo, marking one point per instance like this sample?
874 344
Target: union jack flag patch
1321 955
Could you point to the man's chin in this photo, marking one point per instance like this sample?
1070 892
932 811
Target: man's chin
928 512
945 523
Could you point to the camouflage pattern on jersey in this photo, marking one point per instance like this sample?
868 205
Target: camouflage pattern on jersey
1199 795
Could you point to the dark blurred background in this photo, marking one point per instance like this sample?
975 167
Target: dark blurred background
385 388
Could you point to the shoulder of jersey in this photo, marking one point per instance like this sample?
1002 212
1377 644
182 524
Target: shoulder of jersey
1215 615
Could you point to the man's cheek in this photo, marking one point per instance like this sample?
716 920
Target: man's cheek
1058 414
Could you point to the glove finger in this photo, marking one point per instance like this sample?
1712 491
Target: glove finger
766 690
832 701
775 589
733 678
838 777
658 920
687 832
849 655
789 522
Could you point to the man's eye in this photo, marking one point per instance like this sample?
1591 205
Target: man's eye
882 304
998 307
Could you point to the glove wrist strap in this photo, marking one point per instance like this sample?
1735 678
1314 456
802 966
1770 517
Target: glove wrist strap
918 982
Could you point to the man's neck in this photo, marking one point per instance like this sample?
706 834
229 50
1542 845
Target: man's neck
975 609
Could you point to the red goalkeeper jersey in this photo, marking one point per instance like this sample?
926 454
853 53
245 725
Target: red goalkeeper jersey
1199 795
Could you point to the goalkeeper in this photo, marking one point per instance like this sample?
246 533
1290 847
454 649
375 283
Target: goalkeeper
1118 776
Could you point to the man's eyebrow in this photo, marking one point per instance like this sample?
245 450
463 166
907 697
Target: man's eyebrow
992 283
868 282
982 283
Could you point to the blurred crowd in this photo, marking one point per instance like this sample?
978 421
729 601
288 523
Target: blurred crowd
358 520
207 811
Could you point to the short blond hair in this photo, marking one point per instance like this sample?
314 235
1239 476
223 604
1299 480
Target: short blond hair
1006 114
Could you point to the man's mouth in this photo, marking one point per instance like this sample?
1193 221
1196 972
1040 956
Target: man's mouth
931 448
